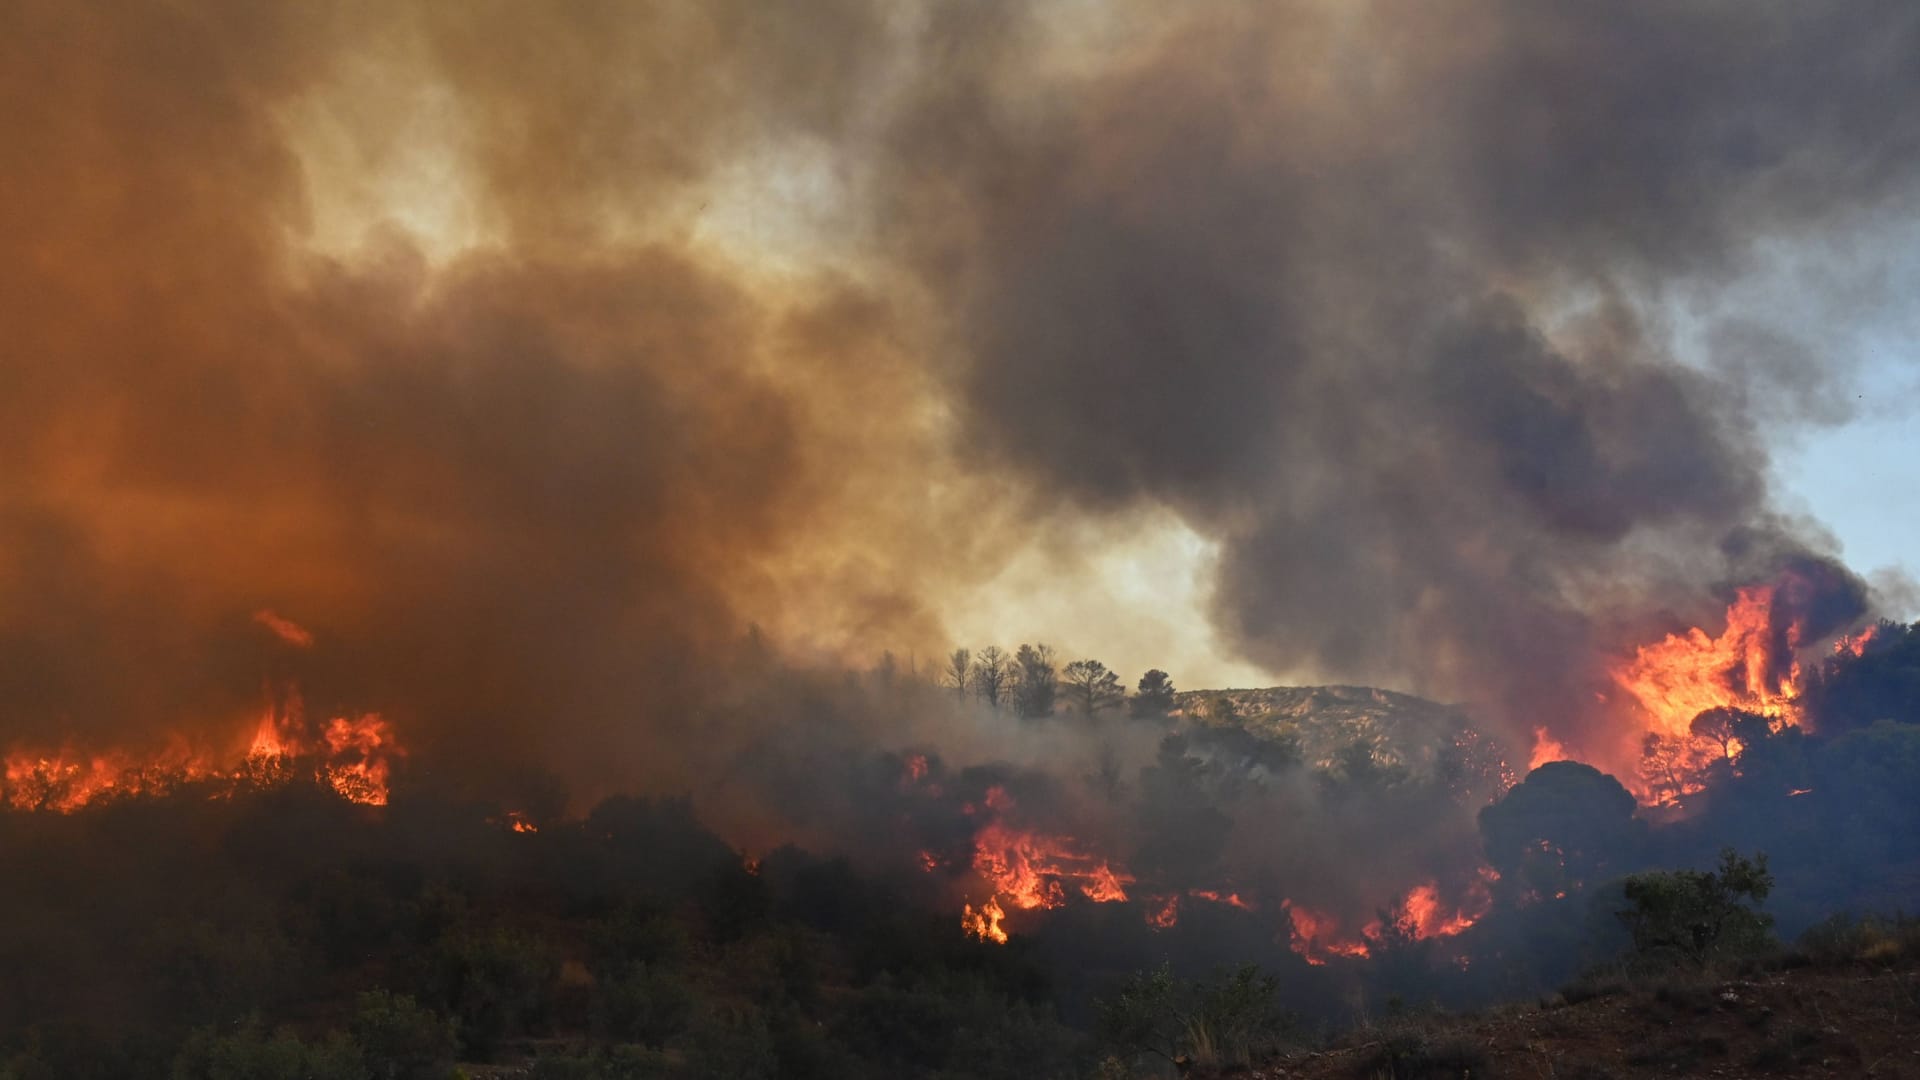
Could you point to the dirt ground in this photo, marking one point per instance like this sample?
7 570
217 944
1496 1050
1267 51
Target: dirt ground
1851 1022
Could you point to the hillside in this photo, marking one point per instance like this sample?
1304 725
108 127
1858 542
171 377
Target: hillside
1399 730
1842 1021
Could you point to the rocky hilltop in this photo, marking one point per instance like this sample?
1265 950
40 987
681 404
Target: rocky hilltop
1335 727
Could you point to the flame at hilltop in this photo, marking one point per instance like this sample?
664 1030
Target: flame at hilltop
1682 676
352 754
1752 666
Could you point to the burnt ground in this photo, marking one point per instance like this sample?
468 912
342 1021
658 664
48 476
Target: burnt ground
1804 1022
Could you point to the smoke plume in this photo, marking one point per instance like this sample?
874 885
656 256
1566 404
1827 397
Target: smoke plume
530 357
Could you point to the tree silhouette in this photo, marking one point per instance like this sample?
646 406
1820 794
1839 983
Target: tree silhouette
959 673
1564 826
1729 729
1154 698
992 677
1035 681
1091 687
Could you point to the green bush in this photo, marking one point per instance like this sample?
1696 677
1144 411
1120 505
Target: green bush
498 985
615 1063
647 1004
1845 939
1233 1018
637 935
400 1039
1696 917
1413 1055
731 1045
252 1054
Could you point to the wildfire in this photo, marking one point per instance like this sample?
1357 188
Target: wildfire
1854 643
1429 917
1681 677
352 755
1229 899
357 753
1749 667
1167 915
1033 870
516 820
1546 748
985 922
63 781
1317 935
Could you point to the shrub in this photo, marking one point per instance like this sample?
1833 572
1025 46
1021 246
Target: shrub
400 1039
1232 1018
497 985
731 1045
1595 984
615 1063
1413 1055
1844 939
647 1004
1696 917
252 1054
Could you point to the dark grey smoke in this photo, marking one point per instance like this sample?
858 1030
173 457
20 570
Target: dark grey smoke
1372 294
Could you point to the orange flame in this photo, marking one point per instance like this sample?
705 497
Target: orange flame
1315 935
516 820
1854 643
1546 748
1680 677
985 923
1675 680
352 756
359 749
1229 899
1032 869
1166 915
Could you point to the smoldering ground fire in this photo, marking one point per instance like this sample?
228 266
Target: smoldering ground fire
594 392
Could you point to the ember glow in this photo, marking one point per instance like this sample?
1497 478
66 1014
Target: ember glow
516 821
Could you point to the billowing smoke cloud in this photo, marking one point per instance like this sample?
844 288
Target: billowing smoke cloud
1368 295
522 496
1374 296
